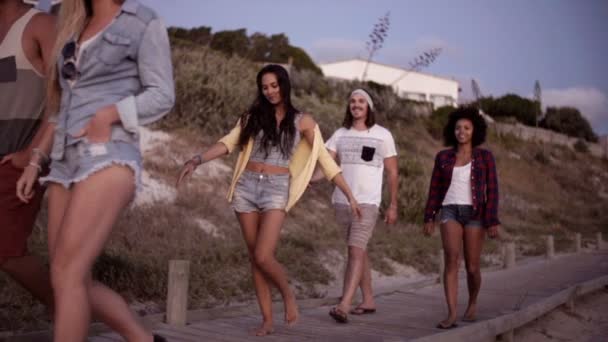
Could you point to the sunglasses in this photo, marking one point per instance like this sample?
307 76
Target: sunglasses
69 70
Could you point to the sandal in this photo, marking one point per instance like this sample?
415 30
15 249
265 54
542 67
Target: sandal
339 315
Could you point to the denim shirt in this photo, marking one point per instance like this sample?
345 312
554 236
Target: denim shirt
129 66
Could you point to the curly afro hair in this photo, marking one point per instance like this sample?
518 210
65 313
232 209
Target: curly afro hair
472 114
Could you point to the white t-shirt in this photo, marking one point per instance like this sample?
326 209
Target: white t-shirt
361 155
459 191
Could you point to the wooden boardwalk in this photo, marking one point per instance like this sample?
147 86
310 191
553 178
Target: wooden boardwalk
408 315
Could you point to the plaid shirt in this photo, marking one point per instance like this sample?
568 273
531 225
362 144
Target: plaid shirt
484 185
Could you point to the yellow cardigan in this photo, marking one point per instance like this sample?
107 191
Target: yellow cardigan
301 165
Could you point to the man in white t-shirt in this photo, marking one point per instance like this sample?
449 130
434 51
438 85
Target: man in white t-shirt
364 151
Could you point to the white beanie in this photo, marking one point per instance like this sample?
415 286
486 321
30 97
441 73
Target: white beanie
365 95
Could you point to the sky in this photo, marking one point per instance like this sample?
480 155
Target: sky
504 45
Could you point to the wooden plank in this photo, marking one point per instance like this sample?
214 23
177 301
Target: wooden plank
173 335
100 339
177 292
111 336
509 322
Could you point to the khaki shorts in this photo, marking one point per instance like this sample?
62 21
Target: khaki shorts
358 232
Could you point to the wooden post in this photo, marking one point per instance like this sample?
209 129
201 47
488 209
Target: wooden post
577 243
598 238
550 247
570 303
509 261
177 292
441 266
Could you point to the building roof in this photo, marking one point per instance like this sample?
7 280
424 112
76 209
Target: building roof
389 66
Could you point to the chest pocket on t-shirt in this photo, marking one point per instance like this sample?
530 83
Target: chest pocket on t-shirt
367 153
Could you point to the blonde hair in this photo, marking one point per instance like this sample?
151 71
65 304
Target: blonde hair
73 16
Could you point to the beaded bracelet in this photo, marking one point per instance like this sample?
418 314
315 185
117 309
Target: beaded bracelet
42 155
197 159
36 166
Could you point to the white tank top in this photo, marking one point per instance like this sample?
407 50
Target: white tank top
459 191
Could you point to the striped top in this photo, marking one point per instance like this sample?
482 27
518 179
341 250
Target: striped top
22 90
274 156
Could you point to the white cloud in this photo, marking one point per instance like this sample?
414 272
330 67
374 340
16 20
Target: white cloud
334 49
591 102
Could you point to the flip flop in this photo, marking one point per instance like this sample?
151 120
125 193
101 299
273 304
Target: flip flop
469 320
441 326
338 315
362 311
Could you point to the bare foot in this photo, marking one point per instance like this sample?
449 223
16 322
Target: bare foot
447 323
264 329
470 313
291 312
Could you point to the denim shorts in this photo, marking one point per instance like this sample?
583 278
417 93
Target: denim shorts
459 213
260 192
82 159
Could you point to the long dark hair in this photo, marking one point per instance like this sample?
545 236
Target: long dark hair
348 117
261 115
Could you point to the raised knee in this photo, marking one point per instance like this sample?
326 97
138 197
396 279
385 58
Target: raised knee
451 261
65 274
262 259
356 253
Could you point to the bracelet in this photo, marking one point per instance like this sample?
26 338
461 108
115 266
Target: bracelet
197 159
41 154
36 166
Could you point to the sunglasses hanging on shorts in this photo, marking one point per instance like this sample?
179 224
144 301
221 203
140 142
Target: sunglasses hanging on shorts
69 70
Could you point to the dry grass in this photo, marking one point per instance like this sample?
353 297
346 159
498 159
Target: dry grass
544 190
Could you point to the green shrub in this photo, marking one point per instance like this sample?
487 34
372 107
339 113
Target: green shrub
438 120
541 157
581 146
570 121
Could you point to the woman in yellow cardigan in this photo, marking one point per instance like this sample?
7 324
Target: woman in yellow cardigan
279 148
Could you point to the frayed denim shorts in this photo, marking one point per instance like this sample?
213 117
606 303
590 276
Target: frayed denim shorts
260 192
459 213
82 159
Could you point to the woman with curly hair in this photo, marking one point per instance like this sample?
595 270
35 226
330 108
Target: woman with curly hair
464 189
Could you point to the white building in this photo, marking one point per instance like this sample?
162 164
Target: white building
412 85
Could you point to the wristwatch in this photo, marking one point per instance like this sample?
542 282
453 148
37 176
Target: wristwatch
197 159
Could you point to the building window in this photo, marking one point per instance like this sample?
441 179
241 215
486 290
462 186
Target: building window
413 96
442 100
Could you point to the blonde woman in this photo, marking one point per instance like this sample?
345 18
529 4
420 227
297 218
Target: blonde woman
113 73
